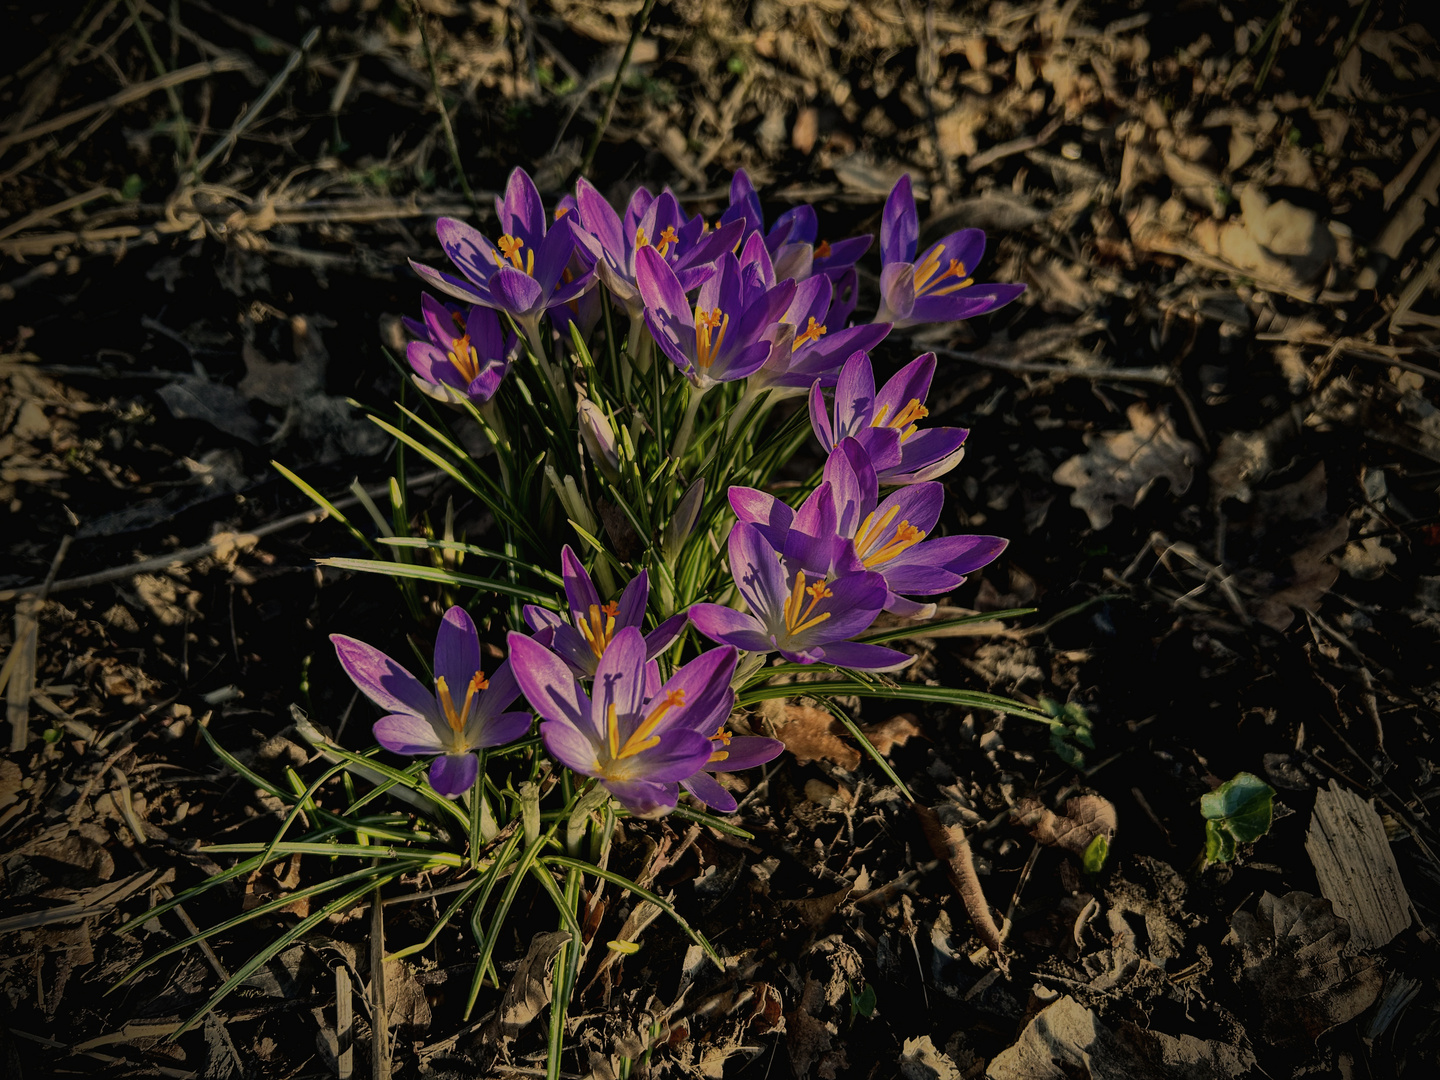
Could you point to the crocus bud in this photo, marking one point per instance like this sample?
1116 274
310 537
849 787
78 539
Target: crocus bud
682 522
599 437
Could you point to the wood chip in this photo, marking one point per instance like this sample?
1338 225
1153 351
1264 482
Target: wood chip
1356 868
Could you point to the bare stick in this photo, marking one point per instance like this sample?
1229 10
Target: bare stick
190 554
20 665
127 96
641 21
951 846
344 1024
445 126
250 115
379 1013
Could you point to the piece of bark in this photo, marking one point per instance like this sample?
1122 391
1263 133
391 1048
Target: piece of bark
1356 868
951 847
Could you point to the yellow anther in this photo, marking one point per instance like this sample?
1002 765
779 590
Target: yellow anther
872 545
612 731
667 238
510 247
707 342
561 211
797 621
599 628
814 332
904 421
464 357
644 737
641 240
456 717
926 281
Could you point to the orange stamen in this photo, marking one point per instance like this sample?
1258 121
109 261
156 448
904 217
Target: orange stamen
814 332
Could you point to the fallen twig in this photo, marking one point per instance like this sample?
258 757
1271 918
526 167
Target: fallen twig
952 847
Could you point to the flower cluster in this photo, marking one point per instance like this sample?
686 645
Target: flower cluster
741 314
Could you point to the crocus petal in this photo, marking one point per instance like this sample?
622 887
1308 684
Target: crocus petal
468 249
731 627
482 327
599 219
405 733
454 774
898 605
547 682
452 286
708 790
757 573
854 602
642 797
854 396
678 755
381 679
538 618
897 294
620 679
862 657
664 635
573 748
965 304
579 589
432 365
707 697
630 608
910 383
899 224
521 212
503 688
503 728
457 652
820 418
515 292
926 455
747 751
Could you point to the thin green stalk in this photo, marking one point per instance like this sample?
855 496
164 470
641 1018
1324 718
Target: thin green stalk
450 142
635 32
687 425
182 125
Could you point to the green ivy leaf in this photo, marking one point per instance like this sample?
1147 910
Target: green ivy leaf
1238 811
862 1003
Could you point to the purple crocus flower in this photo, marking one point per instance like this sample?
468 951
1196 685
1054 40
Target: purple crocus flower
820 342
463 714
939 288
596 625
638 744
887 424
459 352
792 240
722 339
888 537
524 275
807 619
655 222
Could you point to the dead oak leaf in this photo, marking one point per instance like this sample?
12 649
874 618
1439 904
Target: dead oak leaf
812 734
1075 828
896 731
1294 967
1120 467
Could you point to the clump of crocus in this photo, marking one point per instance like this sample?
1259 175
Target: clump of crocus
460 353
887 424
640 744
940 287
806 618
595 624
463 714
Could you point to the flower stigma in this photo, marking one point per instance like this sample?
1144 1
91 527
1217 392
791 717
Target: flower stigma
904 421
456 718
644 737
705 324
926 281
464 358
814 332
599 628
510 246
869 538
796 620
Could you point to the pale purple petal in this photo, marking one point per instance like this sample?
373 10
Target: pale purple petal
708 790
457 652
579 589
899 224
620 679
405 733
723 624
382 680
454 774
570 746
747 751
664 635
862 657
547 682
643 798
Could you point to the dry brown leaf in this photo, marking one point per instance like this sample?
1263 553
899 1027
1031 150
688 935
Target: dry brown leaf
1083 819
896 731
812 734
1066 1040
1355 867
1294 968
1312 575
1121 466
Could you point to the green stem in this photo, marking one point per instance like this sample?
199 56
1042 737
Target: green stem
687 425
